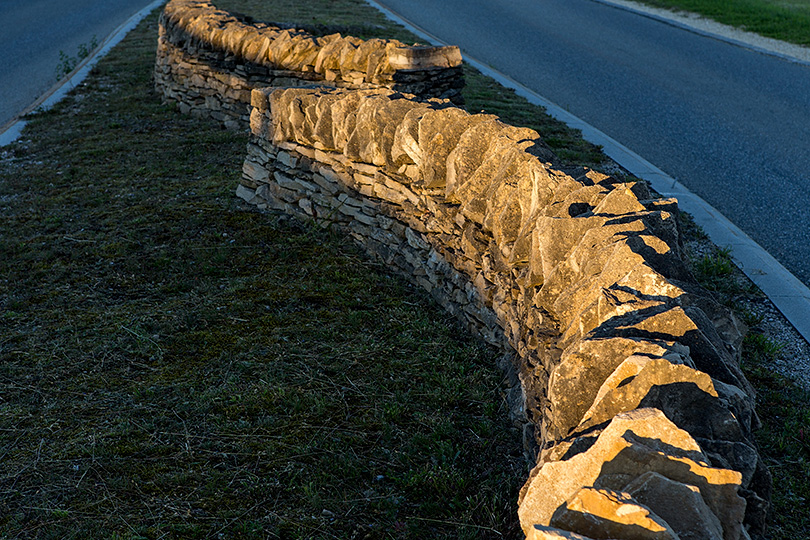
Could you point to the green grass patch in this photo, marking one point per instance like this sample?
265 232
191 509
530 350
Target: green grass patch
779 19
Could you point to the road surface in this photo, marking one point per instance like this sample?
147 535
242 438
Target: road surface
33 32
731 124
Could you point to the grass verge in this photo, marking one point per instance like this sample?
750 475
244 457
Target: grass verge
175 365
779 19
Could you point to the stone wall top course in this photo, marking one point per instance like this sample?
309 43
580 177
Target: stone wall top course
332 57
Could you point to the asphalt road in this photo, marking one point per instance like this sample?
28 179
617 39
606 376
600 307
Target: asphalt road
33 32
731 124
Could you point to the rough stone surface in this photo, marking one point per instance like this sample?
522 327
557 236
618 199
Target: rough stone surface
630 391
632 444
680 505
575 276
584 367
603 513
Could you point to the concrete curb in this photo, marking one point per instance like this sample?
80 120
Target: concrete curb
787 293
12 130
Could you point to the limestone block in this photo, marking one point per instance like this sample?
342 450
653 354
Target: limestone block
543 532
378 67
587 258
473 194
718 487
279 48
592 302
555 237
423 57
300 117
254 171
260 98
347 52
632 444
391 118
246 194
439 133
730 328
628 370
329 56
360 60
302 53
405 148
475 146
620 395
736 455
690 327
377 120
323 132
604 513
514 195
344 115
573 200
584 367
259 124
680 505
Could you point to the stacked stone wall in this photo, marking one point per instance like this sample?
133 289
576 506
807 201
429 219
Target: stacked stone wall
209 60
624 372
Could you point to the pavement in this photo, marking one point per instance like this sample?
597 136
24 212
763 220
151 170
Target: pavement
731 118
34 32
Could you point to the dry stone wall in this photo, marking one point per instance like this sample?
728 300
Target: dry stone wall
208 61
625 372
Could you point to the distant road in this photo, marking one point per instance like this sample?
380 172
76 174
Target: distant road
731 124
32 32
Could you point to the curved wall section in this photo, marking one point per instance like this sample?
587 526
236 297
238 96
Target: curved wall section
209 60
625 372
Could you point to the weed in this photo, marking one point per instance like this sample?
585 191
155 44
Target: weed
691 229
717 265
68 63
716 272
760 347
784 438
751 319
